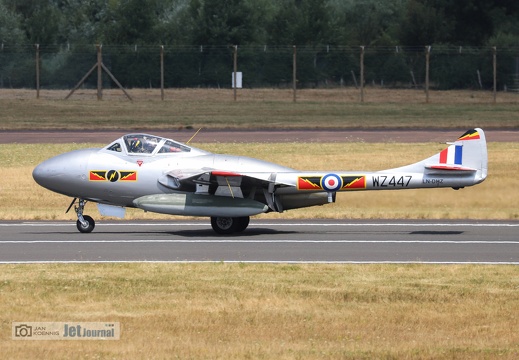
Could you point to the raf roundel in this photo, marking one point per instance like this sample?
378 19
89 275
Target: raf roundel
331 182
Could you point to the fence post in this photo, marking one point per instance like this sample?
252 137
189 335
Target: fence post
37 71
362 74
235 69
294 72
427 56
100 67
494 63
99 73
354 79
162 72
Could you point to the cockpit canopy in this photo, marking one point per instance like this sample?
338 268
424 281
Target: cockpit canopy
139 144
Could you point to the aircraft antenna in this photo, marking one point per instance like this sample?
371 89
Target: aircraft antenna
192 137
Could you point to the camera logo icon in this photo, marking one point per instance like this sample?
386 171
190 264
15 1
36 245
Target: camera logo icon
23 330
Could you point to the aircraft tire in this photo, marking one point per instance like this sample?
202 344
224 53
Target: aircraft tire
224 225
242 223
86 229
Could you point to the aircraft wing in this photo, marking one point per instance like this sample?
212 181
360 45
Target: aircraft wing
234 193
228 183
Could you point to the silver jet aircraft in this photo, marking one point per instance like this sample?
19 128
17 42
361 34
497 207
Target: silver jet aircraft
165 176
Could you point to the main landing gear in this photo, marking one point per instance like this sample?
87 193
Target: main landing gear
229 225
221 225
85 223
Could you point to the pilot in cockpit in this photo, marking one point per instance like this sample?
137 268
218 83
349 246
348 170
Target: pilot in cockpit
135 145
142 144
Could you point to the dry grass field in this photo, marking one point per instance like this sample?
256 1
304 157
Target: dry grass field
496 198
242 311
258 108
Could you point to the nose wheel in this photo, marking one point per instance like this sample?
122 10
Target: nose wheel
87 225
84 223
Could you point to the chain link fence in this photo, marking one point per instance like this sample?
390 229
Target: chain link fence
145 66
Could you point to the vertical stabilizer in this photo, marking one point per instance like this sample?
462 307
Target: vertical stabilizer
468 154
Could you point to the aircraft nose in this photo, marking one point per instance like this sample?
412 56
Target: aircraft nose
62 172
38 174
45 172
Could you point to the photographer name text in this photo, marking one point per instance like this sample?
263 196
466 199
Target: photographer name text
66 331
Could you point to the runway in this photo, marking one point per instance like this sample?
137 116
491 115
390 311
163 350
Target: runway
290 241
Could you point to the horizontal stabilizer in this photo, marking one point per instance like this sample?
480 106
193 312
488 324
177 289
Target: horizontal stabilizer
444 168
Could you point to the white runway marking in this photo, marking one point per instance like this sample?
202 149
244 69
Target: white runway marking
280 224
259 262
273 241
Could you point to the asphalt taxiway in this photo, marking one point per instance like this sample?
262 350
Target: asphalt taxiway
258 135
290 241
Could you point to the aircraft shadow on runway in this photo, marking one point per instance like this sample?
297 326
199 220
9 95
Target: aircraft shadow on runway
195 233
432 232
250 232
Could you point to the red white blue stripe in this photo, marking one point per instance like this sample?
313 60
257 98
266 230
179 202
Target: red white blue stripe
452 155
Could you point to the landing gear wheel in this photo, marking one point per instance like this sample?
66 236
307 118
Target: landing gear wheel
229 225
242 223
223 225
84 223
87 225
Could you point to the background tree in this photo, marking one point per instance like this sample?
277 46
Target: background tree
11 34
128 22
424 24
225 22
300 22
367 22
472 21
199 35
40 20
10 26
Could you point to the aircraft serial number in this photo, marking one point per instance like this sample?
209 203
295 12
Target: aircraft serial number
432 181
391 181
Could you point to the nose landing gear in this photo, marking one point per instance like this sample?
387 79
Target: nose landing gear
87 225
84 223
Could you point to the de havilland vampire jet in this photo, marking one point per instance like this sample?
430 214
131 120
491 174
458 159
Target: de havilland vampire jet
165 176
